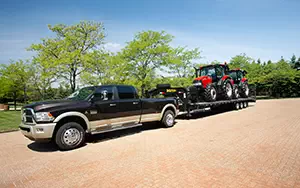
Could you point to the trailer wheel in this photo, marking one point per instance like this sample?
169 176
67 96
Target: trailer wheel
210 93
241 105
245 104
169 119
237 106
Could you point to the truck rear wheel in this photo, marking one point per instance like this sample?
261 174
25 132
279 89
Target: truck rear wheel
70 136
210 93
168 119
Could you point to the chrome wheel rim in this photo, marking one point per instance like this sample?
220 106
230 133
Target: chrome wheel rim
213 93
237 106
236 93
169 120
246 90
228 90
241 105
71 136
245 105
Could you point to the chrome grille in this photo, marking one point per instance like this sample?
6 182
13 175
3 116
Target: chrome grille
27 115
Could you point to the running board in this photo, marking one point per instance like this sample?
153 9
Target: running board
115 129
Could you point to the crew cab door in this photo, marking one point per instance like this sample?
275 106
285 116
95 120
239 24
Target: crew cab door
129 105
104 108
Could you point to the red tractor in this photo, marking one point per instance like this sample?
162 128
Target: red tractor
213 83
238 76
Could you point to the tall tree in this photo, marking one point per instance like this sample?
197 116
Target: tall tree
182 63
240 61
16 76
293 61
258 61
148 51
68 51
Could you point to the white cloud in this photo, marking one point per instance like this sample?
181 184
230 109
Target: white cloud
113 47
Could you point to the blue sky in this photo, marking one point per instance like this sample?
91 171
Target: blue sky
266 29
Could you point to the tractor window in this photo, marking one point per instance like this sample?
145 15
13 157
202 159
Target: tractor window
208 71
220 72
233 75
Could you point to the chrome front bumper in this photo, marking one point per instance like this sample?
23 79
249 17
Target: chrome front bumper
38 131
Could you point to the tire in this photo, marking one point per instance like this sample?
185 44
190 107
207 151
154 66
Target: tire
235 92
168 119
245 104
245 90
227 91
70 136
210 93
241 105
236 106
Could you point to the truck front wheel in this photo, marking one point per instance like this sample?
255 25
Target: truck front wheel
70 136
168 119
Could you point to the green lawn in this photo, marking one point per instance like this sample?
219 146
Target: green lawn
9 120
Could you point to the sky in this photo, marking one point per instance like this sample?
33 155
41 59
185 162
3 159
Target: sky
221 29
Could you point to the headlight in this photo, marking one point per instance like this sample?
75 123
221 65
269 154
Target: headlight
43 116
197 84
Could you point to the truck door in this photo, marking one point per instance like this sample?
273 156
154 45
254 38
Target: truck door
129 105
104 108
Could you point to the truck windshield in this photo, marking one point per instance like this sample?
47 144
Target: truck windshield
81 94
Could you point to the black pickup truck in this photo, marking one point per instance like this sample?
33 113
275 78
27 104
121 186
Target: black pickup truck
92 110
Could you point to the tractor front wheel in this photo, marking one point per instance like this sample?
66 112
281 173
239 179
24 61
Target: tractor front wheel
210 93
245 90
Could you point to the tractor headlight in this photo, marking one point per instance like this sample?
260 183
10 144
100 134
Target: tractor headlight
43 116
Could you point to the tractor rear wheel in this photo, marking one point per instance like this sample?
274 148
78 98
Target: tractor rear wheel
210 93
227 90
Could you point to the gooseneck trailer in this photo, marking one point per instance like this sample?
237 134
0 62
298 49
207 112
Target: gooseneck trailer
187 106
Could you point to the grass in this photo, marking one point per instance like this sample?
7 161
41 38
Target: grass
9 120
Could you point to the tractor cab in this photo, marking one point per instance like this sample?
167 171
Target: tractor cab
238 75
210 72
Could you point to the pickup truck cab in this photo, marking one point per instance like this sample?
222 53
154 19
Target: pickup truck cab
93 110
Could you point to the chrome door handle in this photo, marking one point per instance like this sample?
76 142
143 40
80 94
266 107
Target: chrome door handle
112 104
135 103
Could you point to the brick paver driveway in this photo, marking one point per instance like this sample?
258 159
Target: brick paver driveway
254 147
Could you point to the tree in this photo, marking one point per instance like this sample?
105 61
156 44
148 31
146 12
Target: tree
105 68
148 51
68 51
182 64
297 64
293 61
15 76
258 61
240 61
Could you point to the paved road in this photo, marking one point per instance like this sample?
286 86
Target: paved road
255 147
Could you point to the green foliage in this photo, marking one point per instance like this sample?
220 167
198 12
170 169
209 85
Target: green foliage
148 51
182 64
74 56
67 54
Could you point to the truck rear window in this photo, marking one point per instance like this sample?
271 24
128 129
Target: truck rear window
126 92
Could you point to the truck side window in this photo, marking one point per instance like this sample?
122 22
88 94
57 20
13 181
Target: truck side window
104 94
126 92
